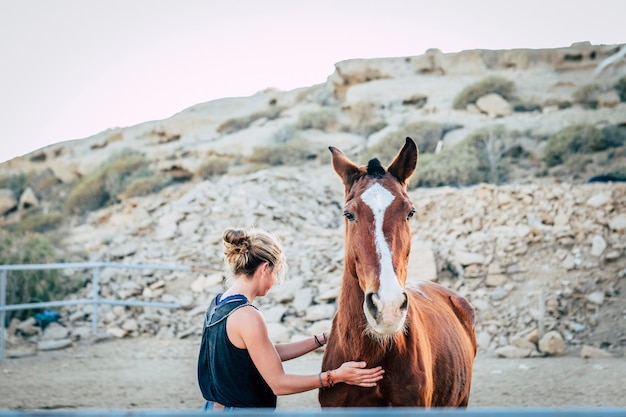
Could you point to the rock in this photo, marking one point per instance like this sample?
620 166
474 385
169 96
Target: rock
561 220
319 327
569 263
55 331
157 285
598 245
592 352
468 258
495 280
7 200
533 336
125 249
598 200
287 291
494 105
552 343
612 256
499 294
422 263
303 299
54 344
278 333
129 289
483 340
618 222
523 343
513 352
28 199
320 312
186 301
274 314
608 99
81 333
596 297
130 325
117 332
205 282
28 327
167 227
20 353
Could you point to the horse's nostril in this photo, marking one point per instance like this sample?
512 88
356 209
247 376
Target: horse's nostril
405 303
371 305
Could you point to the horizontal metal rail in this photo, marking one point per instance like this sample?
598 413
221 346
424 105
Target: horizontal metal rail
95 299
91 265
130 303
342 412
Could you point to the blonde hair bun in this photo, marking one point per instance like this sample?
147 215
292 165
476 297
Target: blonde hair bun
245 250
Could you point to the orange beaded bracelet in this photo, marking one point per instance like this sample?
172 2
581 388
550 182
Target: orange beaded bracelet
329 379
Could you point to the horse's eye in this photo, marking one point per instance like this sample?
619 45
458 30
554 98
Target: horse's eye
411 213
349 216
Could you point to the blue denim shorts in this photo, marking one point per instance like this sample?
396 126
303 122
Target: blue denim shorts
208 406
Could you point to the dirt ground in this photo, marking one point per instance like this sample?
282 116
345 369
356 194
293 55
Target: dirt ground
161 374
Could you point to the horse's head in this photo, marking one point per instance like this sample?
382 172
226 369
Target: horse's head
378 236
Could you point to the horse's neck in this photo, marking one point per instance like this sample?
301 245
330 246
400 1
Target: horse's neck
351 322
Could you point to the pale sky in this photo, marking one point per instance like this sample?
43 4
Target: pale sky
72 68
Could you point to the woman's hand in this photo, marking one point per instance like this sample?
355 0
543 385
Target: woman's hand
356 373
326 335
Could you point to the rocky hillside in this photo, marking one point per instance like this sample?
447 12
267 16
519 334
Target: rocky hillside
505 211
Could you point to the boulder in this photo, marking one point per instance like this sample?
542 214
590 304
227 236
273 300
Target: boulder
494 105
28 199
552 343
7 200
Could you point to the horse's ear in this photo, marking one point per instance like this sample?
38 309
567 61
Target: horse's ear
405 162
347 170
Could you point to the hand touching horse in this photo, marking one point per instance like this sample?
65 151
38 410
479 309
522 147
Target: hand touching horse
424 337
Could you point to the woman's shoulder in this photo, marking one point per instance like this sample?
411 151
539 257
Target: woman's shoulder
248 322
248 312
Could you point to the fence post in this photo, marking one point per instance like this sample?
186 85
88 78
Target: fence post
3 316
95 293
542 314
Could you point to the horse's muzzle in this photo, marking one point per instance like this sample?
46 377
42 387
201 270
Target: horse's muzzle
386 315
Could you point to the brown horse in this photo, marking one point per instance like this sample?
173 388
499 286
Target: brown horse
424 337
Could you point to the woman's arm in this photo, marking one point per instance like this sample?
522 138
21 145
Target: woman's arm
249 328
292 350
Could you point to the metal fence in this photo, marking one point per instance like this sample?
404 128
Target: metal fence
95 299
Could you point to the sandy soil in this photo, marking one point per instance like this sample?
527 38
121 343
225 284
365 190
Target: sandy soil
161 374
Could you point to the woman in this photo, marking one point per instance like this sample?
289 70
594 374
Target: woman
238 365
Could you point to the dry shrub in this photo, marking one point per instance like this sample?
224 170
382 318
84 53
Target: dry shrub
587 95
213 166
581 139
425 134
291 153
244 122
38 221
324 119
32 286
621 88
478 158
364 118
102 187
493 84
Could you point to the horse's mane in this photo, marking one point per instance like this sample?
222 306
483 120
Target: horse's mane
375 169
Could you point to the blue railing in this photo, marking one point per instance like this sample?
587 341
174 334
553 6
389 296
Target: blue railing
95 299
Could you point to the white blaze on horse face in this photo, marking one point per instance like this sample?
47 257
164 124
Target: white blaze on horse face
390 293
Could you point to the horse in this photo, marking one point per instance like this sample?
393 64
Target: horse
422 334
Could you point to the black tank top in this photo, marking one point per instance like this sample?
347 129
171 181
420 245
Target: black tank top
226 373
